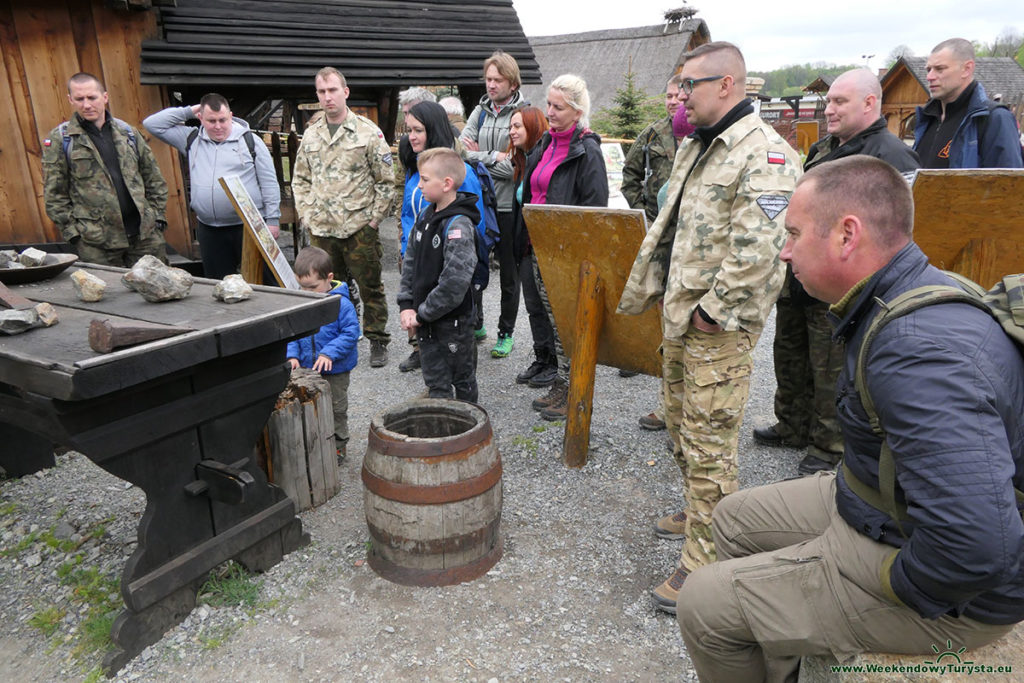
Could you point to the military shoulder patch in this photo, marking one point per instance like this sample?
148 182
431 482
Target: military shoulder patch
776 158
387 159
455 234
47 142
772 204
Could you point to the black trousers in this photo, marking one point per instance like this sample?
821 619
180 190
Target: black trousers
540 324
508 273
448 358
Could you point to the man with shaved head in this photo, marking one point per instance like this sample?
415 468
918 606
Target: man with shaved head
807 362
712 260
961 127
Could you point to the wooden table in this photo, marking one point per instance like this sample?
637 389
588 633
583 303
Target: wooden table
177 417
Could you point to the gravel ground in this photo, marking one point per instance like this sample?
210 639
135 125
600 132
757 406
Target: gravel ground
568 601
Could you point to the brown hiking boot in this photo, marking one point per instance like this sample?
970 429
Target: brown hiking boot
672 527
666 594
559 392
558 410
652 422
378 354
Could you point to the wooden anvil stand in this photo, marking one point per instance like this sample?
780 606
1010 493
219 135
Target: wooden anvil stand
176 417
585 255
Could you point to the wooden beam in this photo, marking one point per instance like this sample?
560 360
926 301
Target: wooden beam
589 320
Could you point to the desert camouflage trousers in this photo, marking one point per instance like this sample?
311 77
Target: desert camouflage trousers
807 366
705 383
358 258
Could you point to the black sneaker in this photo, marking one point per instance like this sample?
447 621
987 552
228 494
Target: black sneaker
526 375
769 436
544 378
411 363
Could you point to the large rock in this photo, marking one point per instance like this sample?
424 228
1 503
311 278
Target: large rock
87 286
32 257
232 289
156 281
18 321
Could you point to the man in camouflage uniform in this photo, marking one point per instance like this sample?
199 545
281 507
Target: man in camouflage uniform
649 161
101 183
343 185
712 259
807 361
647 167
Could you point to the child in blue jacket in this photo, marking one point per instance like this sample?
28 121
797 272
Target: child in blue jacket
332 351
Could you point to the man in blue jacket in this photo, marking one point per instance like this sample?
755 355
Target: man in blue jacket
222 146
808 566
961 127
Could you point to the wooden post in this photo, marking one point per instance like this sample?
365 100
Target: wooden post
252 260
583 364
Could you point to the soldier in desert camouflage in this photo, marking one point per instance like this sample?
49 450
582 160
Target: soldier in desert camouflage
343 185
712 259
101 183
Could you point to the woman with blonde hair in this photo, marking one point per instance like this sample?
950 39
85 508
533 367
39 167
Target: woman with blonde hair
566 167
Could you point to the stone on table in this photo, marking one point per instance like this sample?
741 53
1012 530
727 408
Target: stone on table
16 321
87 286
232 289
156 281
7 257
32 257
47 314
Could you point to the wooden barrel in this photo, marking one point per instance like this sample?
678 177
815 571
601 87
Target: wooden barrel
432 493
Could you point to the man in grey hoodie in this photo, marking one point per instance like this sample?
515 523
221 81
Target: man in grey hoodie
223 146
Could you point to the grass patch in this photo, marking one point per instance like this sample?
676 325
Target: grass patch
8 509
527 443
47 620
21 546
94 633
231 586
214 637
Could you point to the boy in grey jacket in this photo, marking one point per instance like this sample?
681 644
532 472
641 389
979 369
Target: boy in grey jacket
223 146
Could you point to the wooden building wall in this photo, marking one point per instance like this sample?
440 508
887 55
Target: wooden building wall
43 43
901 94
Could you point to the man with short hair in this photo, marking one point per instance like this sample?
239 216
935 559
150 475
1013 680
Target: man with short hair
222 146
712 260
807 362
960 127
649 160
814 566
344 183
410 97
101 183
485 139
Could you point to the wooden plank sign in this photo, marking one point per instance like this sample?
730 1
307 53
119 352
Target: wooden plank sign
585 255
257 235
971 221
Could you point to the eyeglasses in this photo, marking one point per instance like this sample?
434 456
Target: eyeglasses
686 85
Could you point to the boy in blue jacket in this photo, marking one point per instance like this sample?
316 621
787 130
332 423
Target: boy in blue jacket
332 351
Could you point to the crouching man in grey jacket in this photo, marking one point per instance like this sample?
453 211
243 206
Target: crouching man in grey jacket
223 146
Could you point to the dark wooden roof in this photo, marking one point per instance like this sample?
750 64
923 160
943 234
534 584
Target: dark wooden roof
373 42
602 58
1001 76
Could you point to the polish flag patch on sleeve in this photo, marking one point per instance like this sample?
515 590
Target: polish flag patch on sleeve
776 158
455 233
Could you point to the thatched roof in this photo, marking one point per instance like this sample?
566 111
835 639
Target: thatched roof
1002 76
602 58
375 43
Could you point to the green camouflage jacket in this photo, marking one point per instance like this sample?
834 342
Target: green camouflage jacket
80 196
723 251
661 149
342 184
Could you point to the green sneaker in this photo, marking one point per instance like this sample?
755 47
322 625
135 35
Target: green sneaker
480 334
503 347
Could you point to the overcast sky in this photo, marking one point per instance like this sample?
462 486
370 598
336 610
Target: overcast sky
774 34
